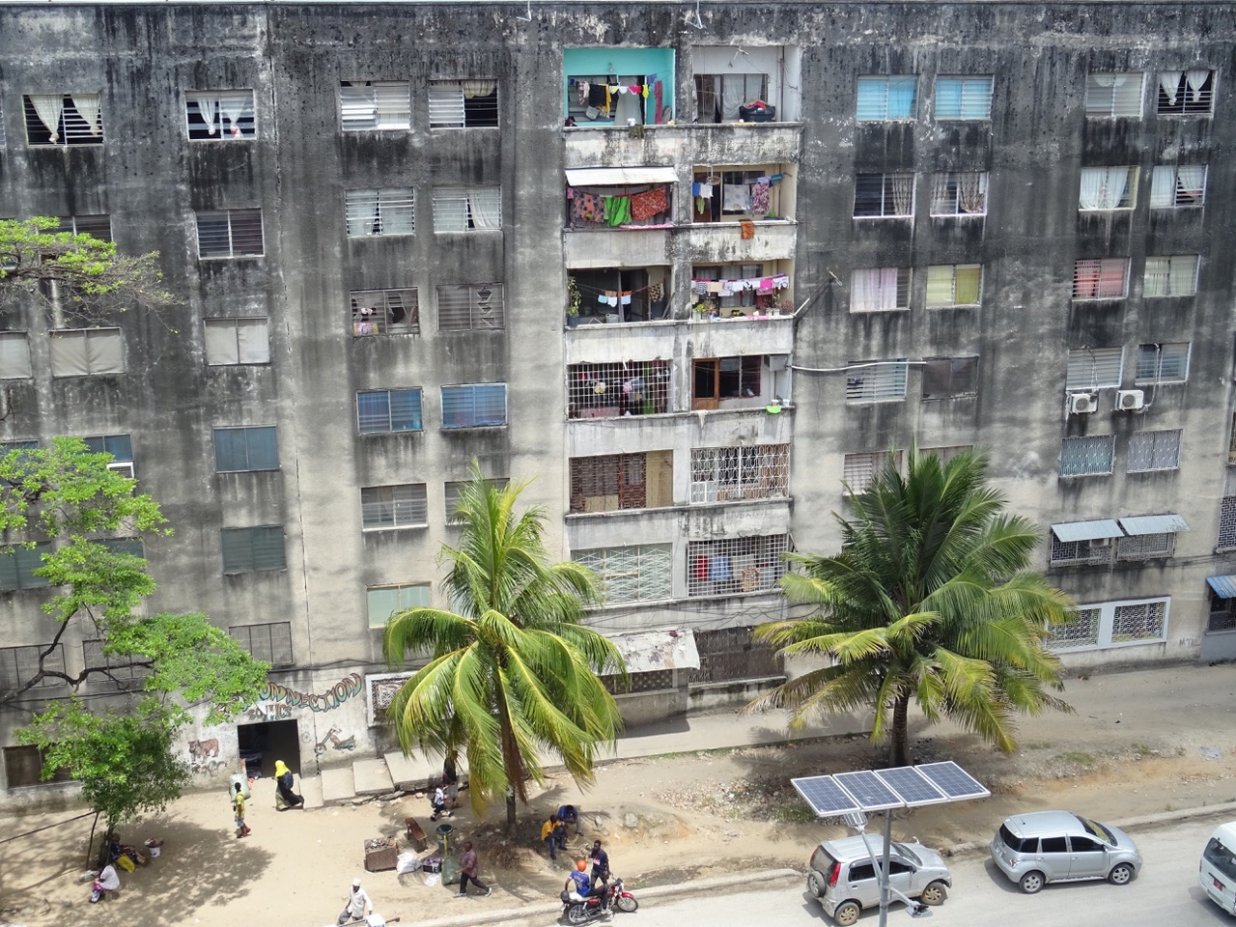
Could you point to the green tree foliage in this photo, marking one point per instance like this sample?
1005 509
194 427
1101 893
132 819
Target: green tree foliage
512 674
929 601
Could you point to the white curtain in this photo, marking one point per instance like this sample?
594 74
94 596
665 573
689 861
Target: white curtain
478 88
208 107
87 106
874 290
1191 179
232 108
1169 83
1196 80
972 192
486 207
50 107
1163 187
903 194
733 95
362 213
942 200
1091 187
1103 187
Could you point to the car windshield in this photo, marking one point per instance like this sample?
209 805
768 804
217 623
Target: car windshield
821 860
907 854
1221 858
1095 829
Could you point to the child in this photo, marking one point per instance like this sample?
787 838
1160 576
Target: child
238 808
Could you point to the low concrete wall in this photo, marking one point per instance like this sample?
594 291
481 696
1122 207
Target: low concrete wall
646 707
708 695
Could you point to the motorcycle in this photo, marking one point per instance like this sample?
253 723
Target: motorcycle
589 909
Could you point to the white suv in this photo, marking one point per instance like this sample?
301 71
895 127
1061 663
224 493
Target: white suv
842 877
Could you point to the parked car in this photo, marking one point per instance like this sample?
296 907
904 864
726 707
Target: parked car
1216 873
1060 846
842 877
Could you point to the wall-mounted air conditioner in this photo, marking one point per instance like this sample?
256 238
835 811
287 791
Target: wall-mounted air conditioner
1130 400
1083 403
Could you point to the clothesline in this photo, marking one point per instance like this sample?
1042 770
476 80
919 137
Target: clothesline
731 287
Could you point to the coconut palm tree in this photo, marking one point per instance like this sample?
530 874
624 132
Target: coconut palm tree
929 601
512 674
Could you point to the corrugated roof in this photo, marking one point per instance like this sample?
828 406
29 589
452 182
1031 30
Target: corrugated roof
1087 530
649 651
1153 524
619 176
1224 586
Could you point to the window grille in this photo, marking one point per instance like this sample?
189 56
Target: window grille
87 352
950 377
381 411
63 119
963 97
1222 615
1082 630
237 341
476 405
611 482
464 209
472 307
385 312
220 115
99 227
1231 443
14 356
1109 94
18 665
1094 368
858 471
1106 278
1154 450
719 96
1162 363
271 642
1105 188
17 566
1064 553
453 492
954 285
640 573
229 233
380 212
1177 186
404 506
730 474
886 99
1145 546
736 565
1184 93
365 106
1141 621
732 654
384 601
1227 523
121 672
959 193
241 449
1171 276
1091 455
876 381
620 388
883 195
463 104
880 289
250 550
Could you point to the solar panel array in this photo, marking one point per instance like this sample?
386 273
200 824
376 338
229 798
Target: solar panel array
880 790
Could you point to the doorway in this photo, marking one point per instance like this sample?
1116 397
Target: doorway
262 743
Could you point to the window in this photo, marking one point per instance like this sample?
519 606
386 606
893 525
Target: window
1139 621
229 233
17 566
1093 368
858 471
119 446
385 312
1080 631
452 492
641 294
1146 546
121 671
718 380
476 405
1177 186
731 474
950 377
621 388
380 411
963 97
1154 450
886 99
86 352
14 356
2 140
737 286
725 195
720 97
131 546
99 227
947 452
954 285
405 506
1114 94
880 289
251 550
876 381
1107 188
271 643
220 115
23 766
1227 521
1182 93
883 195
1091 551
463 209
380 212
612 482
1101 279
19 665
1171 276
369 105
384 601
1107 624
472 307
63 119
1090 455
237 341
241 449
736 565
640 573
463 104
959 193
1162 363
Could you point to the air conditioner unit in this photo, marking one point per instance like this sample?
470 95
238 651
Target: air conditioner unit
1130 400
123 467
1083 403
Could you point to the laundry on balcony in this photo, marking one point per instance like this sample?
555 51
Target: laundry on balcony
734 287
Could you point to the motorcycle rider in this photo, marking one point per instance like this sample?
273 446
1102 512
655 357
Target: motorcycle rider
579 883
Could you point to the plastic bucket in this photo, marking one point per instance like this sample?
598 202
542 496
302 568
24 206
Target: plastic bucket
444 838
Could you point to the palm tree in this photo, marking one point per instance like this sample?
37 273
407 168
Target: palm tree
511 671
929 601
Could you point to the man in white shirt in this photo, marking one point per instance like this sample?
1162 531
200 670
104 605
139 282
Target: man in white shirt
358 907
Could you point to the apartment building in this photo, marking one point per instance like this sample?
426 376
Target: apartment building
690 270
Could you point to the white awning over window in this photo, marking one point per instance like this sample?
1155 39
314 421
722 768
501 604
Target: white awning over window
649 651
1153 524
1087 530
619 176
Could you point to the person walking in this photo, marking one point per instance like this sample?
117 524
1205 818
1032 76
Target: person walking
285 797
600 863
469 868
359 905
238 811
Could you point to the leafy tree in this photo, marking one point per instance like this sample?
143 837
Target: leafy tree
929 601
511 672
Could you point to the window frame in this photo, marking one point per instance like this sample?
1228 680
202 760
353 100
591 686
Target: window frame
1097 275
243 433
399 589
947 185
483 314
967 84
242 130
259 358
393 212
1108 111
230 218
884 84
460 85
394 507
898 372
65 335
246 642
1153 452
1100 374
472 388
1158 377
1177 193
963 368
64 135
1104 636
646 571
449 195
861 281
364 303
954 271
765 550
15 356
1109 442
249 535
1127 201
1164 106
415 421
399 118
1168 274
887 195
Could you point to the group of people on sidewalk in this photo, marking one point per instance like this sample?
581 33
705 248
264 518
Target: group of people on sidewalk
285 798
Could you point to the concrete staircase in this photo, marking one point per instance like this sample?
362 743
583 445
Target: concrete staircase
366 778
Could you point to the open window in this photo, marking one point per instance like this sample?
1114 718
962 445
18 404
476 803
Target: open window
63 119
608 86
615 389
463 104
745 381
1185 93
619 197
741 290
220 115
732 194
620 294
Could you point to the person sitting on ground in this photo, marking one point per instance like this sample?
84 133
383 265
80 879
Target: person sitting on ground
108 882
438 803
579 885
569 817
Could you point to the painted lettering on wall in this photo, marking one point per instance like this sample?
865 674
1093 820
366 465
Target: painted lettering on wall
269 711
346 688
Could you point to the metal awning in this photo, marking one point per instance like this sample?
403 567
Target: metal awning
649 651
1153 524
1224 586
1087 530
619 176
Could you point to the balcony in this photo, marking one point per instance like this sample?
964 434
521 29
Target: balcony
723 242
723 143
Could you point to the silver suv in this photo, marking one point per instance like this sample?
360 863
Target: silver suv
1060 846
842 877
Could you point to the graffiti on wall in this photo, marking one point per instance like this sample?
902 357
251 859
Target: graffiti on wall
334 741
347 687
204 757
268 711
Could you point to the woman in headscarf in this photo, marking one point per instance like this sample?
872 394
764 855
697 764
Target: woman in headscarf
283 780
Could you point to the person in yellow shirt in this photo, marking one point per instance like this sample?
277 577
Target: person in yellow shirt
553 835
238 809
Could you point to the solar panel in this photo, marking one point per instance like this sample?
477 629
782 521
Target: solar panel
912 786
825 796
872 794
953 781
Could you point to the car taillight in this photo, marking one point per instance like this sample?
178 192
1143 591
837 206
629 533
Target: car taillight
832 876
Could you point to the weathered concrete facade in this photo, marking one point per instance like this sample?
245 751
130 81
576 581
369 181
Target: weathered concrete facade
677 451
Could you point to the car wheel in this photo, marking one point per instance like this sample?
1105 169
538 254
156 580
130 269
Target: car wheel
1032 882
815 884
934 894
1121 874
847 914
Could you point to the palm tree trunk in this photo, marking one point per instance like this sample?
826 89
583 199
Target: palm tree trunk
510 813
900 739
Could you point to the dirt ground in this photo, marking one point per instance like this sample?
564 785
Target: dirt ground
663 819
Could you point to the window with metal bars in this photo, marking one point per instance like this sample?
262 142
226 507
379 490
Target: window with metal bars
1139 621
1088 455
951 285
385 312
1222 614
950 377
1114 94
1154 450
714 380
963 97
382 411
859 470
474 405
886 99
1162 363
452 493
63 119
618 388
876 381
1093 368
880 289
1105 278
220 115
1090 552
121 671
17 566
87 352
1227 522
229 233
1174 275
1106 188
1082 630
1146 546
467 209
730 566
612 482
638 573
380 212
19 665
384 601
14 356
472 307
371 105
246 449
99 227
959 193
463 104
732 474
403 506
1177 186
270 642
883 195
1185 93
253 550
237 341
718 97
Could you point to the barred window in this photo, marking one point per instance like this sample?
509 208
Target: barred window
1064 553
467 209
858 471
1141 621
380 212
381 411
1162 363
271 643
611 482
880 289
730 474
1091 455
1146 546
619 388
1154 450
472 307
19 665
1094 368
237 341
876 381
886 99
87 352
369 105
963 97
220 115
1177 186
954 285
463 104
475 405
883 195
1227 523
959 193
386 507
240 449
1106 188
1113 94
384 601
385 312
251 550
229 233
99 227
1183 93
950 377
640 573
121 671
1082 630
1171 276
17 566
1106 278
63 119
736 565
